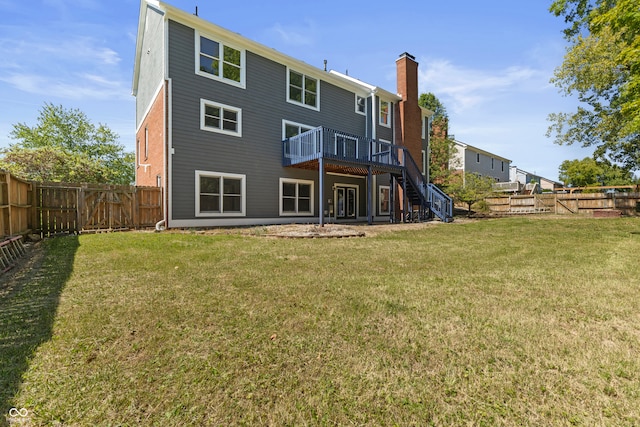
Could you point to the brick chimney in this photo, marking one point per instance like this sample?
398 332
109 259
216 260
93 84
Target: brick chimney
410 115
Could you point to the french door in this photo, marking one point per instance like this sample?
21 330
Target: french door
345 202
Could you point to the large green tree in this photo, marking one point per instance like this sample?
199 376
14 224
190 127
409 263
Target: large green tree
65 146
441 147
601 67
589 172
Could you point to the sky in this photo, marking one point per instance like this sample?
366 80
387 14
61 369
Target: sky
489 63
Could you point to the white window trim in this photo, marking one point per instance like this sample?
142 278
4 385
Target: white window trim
363 113
289 122
243 195
205 102
302 104
243 61
380 211
390 114
296 181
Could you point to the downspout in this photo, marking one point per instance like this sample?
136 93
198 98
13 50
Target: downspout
373 114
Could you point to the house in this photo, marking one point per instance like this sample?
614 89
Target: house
523 182
469 159
236 133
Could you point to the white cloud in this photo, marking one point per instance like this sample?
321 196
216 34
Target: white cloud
78 86
467 88
68 68
295 36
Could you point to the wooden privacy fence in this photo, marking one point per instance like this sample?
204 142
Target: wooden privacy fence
577 203
52 208
70 208
15 205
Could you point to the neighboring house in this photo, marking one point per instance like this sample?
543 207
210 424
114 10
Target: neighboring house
521 181
470 159
237 133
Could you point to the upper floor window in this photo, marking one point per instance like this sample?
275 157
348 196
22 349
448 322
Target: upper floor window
385 113
220 118
303 90
477 157
219 61
492 162
425 127
361 105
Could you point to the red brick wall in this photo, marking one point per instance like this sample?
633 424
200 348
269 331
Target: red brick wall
410 115
151 164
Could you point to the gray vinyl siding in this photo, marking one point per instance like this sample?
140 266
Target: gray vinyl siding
151 62
483 167
258 153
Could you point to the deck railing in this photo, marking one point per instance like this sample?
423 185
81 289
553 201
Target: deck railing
334 144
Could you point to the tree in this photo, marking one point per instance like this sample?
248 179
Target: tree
471 189
66 146
602 66
441 147
589 172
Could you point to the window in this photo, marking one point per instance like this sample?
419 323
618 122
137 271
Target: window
502 166
296 197
385 113
146 143
220 118
361 105
219 61
302 90
492 161
346 146
383 200
290 129
477 157
425 127
220 194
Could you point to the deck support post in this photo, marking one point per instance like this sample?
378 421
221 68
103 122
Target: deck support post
321 189
369 195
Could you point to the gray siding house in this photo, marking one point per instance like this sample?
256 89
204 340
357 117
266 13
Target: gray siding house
237 133
468 158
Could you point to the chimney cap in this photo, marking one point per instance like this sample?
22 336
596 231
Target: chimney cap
408 55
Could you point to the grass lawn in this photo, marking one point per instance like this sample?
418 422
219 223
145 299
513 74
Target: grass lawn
517 321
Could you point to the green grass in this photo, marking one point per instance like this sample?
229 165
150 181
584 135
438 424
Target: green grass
518 321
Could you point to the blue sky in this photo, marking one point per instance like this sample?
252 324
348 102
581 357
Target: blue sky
488 62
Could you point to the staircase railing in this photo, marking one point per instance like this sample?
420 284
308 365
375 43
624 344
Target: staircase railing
435 199
440 204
